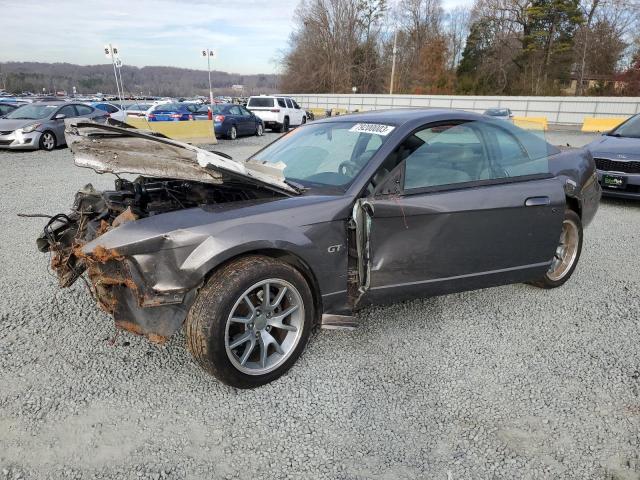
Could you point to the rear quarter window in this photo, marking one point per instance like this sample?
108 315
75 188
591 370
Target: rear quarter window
85 110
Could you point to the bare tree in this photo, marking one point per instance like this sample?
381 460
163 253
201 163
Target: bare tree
456 31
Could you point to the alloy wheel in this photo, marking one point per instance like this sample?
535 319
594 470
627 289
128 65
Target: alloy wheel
264 326
566 251
47 141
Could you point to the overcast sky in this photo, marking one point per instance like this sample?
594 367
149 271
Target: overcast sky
247 34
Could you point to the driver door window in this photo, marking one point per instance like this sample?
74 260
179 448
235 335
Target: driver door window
445 155
462 153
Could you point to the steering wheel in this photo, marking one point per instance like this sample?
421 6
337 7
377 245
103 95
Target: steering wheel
348 168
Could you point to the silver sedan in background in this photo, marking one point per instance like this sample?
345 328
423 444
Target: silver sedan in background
41 125
500 113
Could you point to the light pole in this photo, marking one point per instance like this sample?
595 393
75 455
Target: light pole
210 54
119 67
111 51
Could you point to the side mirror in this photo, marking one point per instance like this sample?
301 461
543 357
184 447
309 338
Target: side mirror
59 116
297 107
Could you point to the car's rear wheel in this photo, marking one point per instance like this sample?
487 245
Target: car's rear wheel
47 141
304 120
285 125
232 133
251 321
567 253
259 130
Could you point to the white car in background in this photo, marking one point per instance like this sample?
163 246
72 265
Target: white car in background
114 111
277 112
138 110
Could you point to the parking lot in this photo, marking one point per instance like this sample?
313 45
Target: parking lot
512 382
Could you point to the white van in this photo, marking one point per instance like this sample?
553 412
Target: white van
278 113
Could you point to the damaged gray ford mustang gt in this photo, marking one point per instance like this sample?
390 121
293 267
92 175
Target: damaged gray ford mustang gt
341 213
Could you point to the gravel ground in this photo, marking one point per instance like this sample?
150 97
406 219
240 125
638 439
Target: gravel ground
510 382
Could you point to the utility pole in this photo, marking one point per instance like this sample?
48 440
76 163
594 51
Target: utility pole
393 61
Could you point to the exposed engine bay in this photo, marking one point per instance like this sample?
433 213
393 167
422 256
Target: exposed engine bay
93 213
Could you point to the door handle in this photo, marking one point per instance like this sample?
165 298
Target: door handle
537 201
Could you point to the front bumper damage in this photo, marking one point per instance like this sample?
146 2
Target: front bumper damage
115 280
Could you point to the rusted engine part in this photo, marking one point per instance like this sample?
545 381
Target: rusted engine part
64 234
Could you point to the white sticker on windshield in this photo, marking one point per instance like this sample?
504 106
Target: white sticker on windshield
376 128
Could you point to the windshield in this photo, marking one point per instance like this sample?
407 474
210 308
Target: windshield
631 128
32 112
260 102
325 154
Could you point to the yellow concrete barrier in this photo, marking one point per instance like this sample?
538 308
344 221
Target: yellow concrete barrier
593 124
531 123
318 112
189 131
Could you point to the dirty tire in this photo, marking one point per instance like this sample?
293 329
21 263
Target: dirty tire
548 281
47 141
207 318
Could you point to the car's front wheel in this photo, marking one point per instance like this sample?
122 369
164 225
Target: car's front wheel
251 321
567 252
259 130
47 141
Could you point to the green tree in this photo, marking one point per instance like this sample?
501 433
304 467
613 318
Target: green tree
547 43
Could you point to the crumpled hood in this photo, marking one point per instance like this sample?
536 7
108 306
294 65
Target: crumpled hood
109 149
8 124
615 146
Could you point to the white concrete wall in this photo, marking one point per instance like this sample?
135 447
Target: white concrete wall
567 110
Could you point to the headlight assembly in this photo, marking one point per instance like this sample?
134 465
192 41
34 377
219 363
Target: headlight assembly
30 128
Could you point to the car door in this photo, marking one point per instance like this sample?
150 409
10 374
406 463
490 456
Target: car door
248 120
57 124
299 111
240 121
464 206
294 115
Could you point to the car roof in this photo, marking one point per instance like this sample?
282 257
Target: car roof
401 116
270 96
53 102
